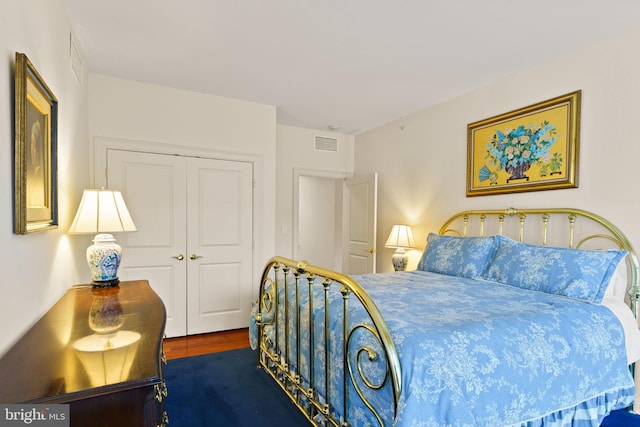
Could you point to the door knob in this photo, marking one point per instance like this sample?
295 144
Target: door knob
194 256
371 251
179 257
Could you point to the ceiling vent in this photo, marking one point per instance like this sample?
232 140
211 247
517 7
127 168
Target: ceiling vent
326 144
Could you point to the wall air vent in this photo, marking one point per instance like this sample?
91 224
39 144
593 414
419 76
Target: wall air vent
326 144
77 64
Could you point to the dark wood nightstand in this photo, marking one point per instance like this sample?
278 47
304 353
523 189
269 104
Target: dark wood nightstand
98 350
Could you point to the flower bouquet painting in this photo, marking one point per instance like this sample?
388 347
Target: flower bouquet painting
516 150
534 148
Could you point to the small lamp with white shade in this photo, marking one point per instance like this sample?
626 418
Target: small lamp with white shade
103 212
401 238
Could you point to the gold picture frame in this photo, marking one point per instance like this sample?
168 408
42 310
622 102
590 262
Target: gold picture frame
35 151
530 149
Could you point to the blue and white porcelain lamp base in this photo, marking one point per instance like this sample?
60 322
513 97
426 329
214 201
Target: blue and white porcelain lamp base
104 258
400 260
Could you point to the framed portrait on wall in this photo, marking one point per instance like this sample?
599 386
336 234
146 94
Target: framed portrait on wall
35 166
529 149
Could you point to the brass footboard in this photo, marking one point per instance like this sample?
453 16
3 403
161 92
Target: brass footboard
282 320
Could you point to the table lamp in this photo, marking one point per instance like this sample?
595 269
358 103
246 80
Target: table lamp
400 238
103 212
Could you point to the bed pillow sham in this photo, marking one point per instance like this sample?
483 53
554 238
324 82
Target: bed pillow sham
576 273
618 284
457 256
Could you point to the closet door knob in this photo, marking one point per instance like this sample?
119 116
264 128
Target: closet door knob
179 257
194 256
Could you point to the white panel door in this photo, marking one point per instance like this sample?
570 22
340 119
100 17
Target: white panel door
361 211
219 232
194 241
153 186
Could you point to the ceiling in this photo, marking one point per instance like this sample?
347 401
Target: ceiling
349 64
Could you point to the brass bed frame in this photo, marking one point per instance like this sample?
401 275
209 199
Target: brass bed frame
578 228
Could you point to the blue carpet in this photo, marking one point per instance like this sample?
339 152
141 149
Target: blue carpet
224 390
228 390
621 419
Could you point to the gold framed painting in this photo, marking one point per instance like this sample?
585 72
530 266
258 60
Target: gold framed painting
35 151
530 149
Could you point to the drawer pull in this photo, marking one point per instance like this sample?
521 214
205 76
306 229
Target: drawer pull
164 421
161 391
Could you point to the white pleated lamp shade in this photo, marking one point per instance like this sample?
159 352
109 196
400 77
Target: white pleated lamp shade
401 236
102 211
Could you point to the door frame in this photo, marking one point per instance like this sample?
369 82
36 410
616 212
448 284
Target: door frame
98 179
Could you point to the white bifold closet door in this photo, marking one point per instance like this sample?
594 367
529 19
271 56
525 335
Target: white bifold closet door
194 240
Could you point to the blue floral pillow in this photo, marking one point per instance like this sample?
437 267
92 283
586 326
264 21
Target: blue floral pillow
457 256
576 273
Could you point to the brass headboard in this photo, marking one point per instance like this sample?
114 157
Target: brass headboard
567 227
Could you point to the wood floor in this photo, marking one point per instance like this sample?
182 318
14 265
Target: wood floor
195 345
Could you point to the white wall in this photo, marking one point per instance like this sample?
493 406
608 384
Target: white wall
127 110
422 158
320 216
296 152
38 268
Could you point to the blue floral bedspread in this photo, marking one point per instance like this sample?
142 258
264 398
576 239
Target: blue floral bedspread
479 353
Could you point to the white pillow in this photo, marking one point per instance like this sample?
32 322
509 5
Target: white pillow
617 287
